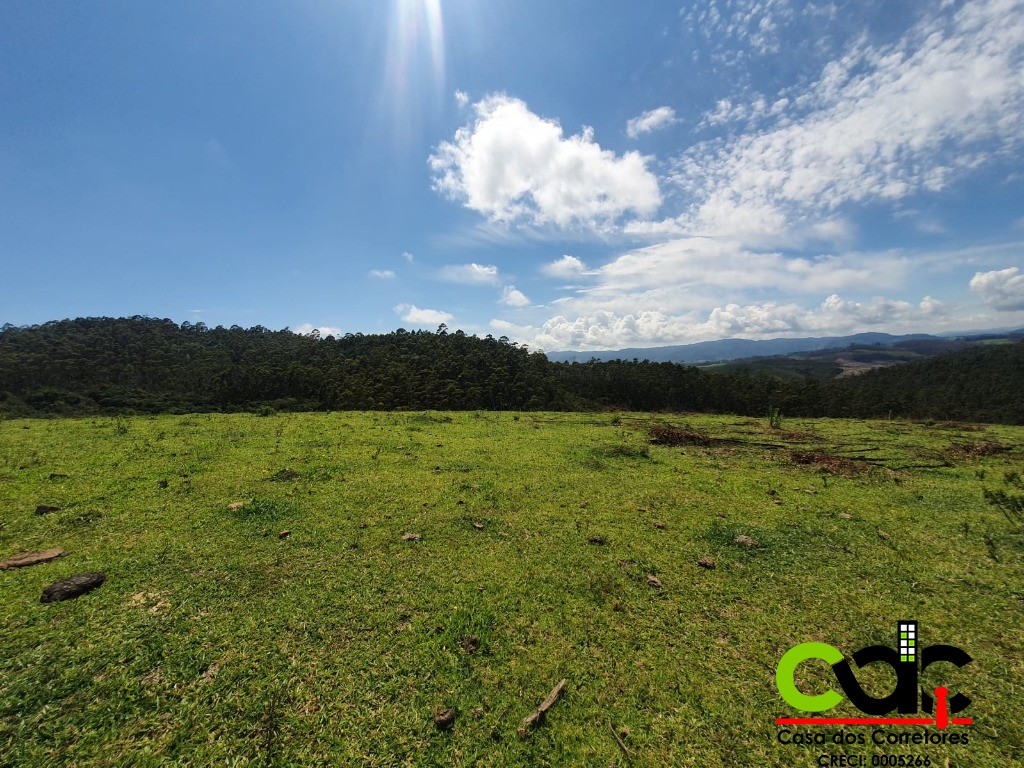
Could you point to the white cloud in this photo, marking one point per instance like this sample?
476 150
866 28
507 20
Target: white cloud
880 124
1002 289
382 274
470 274
461 98
513 297
324 330
408 256
513 166
604 329
410 313
565 267
678 272
652 120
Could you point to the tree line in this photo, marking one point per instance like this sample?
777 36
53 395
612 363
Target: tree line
146 365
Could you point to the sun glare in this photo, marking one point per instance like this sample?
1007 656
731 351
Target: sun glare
415 58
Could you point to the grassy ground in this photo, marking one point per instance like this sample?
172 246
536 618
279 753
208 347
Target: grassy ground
215 642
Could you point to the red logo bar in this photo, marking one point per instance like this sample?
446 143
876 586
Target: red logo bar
868 721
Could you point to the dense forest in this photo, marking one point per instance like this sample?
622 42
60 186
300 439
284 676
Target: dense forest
145 365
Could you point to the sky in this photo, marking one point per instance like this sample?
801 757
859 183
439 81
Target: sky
571 175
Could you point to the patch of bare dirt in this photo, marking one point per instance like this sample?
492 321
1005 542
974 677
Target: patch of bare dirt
827 463
662 434
976 450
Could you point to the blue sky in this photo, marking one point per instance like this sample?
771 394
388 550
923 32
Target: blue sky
573 175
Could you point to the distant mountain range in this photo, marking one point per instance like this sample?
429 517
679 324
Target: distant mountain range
704 352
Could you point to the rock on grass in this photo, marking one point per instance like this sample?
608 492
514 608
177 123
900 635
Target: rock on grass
747 542
72 587
444 718
706 562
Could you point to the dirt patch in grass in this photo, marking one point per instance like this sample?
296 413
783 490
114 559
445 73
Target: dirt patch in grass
976 450
797 435
827 463
283 475
662 434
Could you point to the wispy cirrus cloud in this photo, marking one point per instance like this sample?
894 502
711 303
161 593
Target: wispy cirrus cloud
382 274
881 123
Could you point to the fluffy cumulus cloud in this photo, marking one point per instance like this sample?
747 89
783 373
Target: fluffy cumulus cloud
651 120
514 166
512 297
605 329
323 330
565 267
413 315
470 274
1001 289
881 123
382 274
756 235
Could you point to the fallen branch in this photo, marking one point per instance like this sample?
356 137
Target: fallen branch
619 741
537 715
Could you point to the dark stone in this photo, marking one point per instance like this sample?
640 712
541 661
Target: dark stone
44 509
444 719
72 587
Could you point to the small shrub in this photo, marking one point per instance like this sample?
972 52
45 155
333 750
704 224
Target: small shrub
774 418
1012 505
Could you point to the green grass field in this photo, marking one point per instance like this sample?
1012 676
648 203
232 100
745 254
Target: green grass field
215 642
